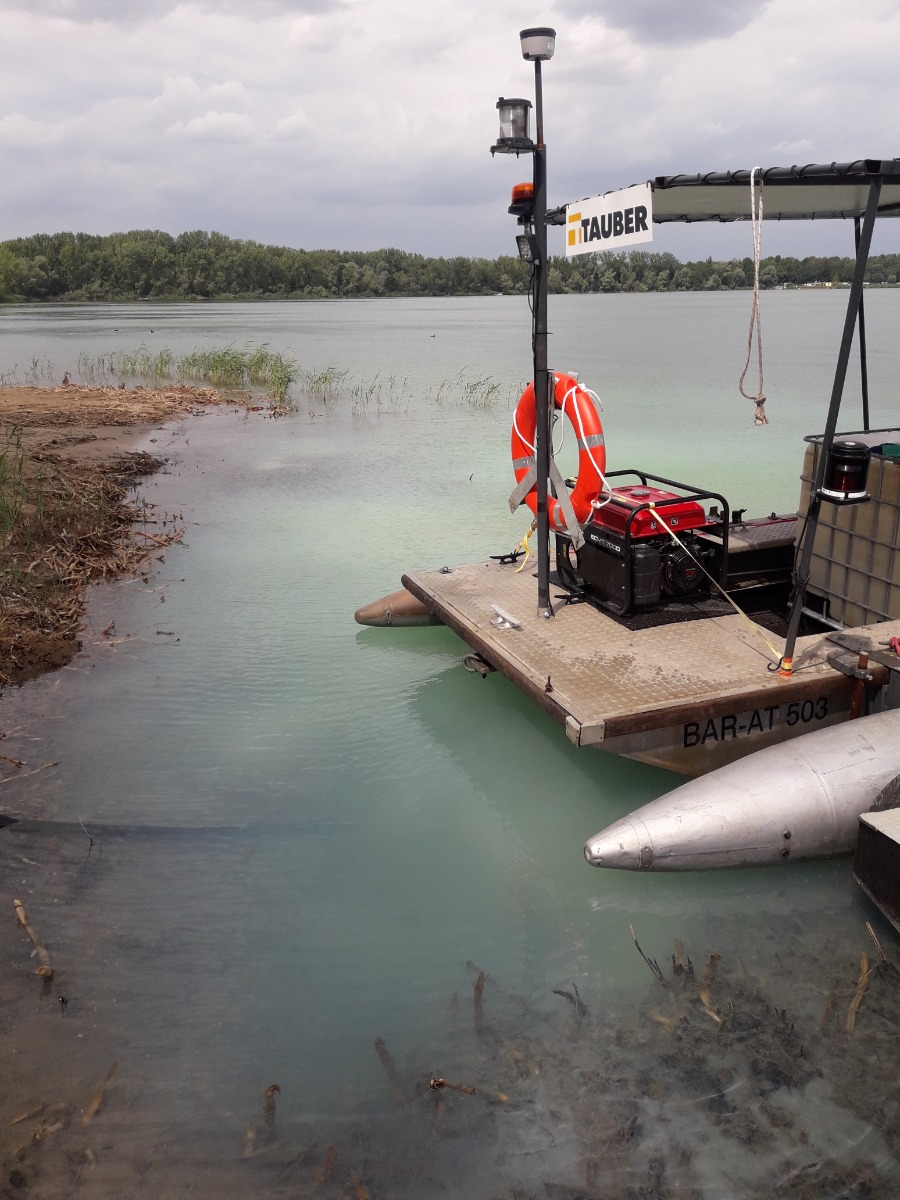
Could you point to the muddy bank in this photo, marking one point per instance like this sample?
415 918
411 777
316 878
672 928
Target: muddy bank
68 507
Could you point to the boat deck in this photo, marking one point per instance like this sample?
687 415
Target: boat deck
685 695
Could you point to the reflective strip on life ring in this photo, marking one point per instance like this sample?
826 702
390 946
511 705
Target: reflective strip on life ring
578 406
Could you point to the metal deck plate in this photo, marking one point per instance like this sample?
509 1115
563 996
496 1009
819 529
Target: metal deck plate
608 682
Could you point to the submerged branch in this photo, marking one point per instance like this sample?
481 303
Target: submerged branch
44 970
651 962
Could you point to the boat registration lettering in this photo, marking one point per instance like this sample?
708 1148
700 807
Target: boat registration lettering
758 720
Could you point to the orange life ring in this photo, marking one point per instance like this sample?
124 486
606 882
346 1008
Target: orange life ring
578 406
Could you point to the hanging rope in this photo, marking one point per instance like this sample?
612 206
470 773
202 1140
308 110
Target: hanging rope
523 545
757 629
756 217
605 489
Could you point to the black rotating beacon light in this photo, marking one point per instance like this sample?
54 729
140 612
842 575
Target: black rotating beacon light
846 469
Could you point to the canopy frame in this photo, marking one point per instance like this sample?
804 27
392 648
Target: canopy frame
815 192
861 191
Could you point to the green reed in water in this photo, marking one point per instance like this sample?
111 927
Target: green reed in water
485 392
14 488
247 367
392 395
324 385
228 367
123 364
389 395
38 374
23 502
275 374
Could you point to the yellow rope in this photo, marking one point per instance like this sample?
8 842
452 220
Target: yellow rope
716 585
523 545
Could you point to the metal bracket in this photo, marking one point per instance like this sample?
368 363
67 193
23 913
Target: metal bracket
478 665
527 482
849 668
522 488
573 529
866 645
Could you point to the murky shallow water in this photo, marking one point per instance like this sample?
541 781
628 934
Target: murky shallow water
273 837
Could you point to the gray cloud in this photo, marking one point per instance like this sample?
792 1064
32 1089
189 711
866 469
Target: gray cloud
116 12
665 22
361 123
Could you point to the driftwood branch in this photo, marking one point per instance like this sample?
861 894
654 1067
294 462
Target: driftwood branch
573 998
269 1110
327 1170
44 970
436 1082
10 778
881 953
478 992
861 985
391 1071
161 541
98 1097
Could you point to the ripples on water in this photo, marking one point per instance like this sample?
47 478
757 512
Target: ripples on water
274 836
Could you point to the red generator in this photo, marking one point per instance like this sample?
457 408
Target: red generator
641 544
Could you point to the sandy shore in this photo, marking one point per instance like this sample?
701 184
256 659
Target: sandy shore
67 463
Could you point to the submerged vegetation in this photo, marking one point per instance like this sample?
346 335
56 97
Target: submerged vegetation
718 1077
150 265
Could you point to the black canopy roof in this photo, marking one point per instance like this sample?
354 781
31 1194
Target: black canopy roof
812 192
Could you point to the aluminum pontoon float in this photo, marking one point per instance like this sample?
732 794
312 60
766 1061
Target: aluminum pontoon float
656 665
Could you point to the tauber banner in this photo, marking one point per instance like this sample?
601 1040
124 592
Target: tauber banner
615 221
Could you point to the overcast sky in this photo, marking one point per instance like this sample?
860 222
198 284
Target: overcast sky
356 124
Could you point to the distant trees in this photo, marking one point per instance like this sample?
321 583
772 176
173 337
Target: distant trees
146 264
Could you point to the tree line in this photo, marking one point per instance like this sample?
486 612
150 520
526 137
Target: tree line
149 265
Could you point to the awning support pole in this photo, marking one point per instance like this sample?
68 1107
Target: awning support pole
808 536
863 359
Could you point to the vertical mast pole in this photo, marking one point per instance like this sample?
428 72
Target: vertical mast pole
542 377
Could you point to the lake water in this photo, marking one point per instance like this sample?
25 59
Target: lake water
273 837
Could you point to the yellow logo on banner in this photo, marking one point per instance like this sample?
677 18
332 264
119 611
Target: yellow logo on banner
613 221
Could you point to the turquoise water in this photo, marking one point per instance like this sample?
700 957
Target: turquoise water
273 836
